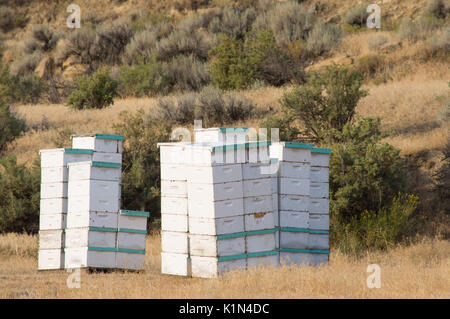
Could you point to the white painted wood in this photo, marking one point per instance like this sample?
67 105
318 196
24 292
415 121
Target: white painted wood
320 159
131 222
216 209
129 240
319 205
174 153
174 222
174 172
173 188
261 261
300 170
83 237
214 192
275 202
319 190
97 144
86 171
92 219
107 157
59 158
276 217
278 150
210 246
175 264
259 221
319 221
257 154
53 206
257 187
216 226
258 204
54 190
294 202
81 257
52 221
210 267
318 241
255 170
259 243
174 242
295 219
131 261
294 186
54 174
214 174
50 259
307 259
290 239
319 174
174 205
51 239
94 195
274 185
202 155
277 239
214 134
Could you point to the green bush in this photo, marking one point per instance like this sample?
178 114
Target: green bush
326 103
97 91
141 166
230 66
187 73
144 79
19 197
27 88
10 126
370 65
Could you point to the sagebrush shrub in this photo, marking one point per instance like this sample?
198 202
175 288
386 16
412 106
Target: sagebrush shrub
45 38
26 64
322 39
78 44
376 41
237 107
438 8
357 15
233 22
141 47
19 197
110 42
187 73
10 20
370 65
97 91
419 29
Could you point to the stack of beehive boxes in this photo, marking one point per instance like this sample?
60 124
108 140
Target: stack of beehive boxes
303 195
97 233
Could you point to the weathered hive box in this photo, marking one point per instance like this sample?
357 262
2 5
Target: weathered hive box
54 190
294 186
212 267
103 143
175 264
173 188
303 256
214 174
103 171
320 157
49 259
177 223
174 205
132 219
216 209
51 239
257 187
295 238
300 203
90 257
260 241
319 221
60 157
268 258
131 239
258 204
290 218
259 221
174 242
130 259
319 205
291 151
216 226
92 219
216 246
93 195
53 206
214 192
52 221
226 135
91 237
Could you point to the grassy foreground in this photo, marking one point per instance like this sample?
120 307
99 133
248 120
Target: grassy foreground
421 270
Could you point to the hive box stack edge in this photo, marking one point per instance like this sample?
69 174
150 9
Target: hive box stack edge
53 203
319 218
294 196
94 191
174 209
260 219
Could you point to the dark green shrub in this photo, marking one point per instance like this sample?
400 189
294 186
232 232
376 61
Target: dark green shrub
27 88
10 126
19 197
442 177
141 166
326 103
187 73
230 67
144 79
97 91
370 65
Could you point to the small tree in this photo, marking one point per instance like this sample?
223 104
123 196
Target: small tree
326 103
95 92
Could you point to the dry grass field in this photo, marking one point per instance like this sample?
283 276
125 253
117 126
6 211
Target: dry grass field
421 270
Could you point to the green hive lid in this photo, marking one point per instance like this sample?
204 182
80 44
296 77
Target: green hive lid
321 150
78 151
232 257
128 250
106 164
91 228
311 251
298 145
109 137
134 231
233 129
262 253
273 160
230 147
134 213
